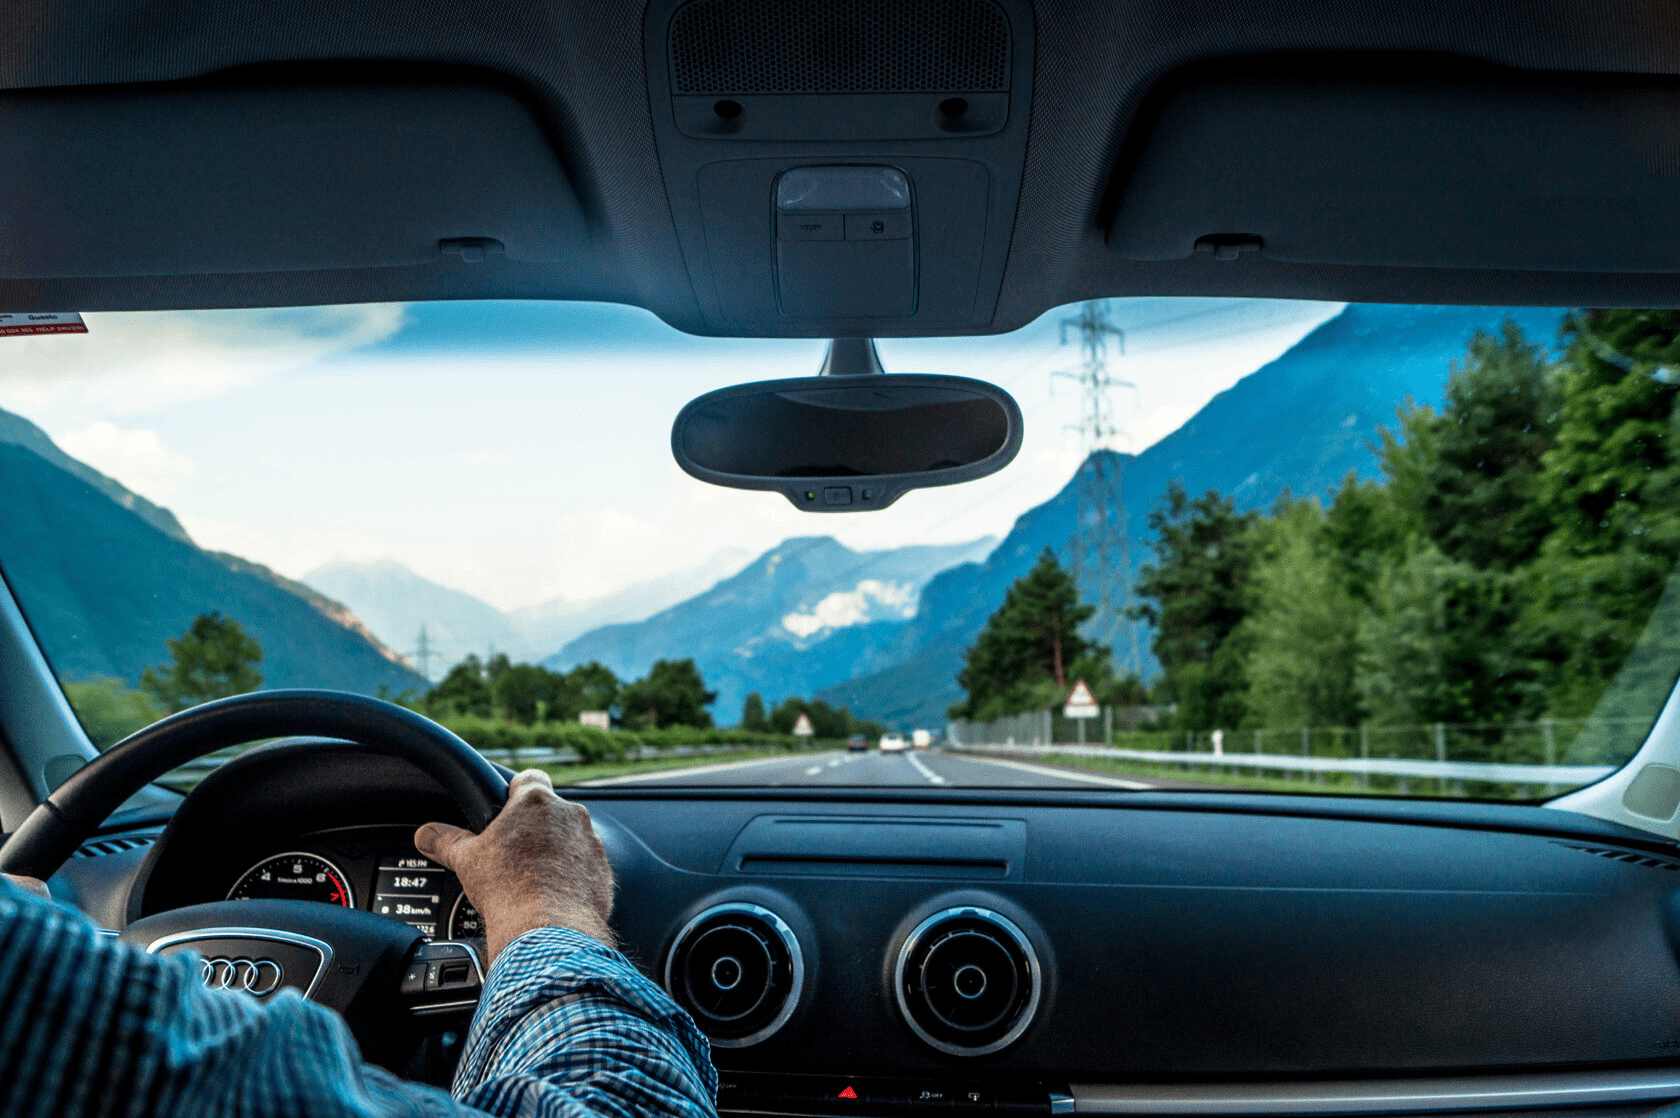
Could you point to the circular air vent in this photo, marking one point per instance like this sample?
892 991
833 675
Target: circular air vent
968 981
738 971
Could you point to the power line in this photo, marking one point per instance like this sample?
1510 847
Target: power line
1101 550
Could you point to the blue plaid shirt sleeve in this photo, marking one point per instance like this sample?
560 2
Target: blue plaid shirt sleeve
91 1026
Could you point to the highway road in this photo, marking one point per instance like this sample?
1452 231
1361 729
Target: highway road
874 769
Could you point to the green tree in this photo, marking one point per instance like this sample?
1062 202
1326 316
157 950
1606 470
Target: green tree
1196 595
1021 658
1471 473
1437 645
1302 630
463 690
109 710
672 694
528 693
752 713
1610 487
591 686
1366 531
1096 668
827 723
213 659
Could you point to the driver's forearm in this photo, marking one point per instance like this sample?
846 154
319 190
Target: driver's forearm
569 1026
92 1026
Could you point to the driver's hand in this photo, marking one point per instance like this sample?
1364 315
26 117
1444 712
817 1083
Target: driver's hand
29 884
537 865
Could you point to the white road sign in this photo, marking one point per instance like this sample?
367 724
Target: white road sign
1081 703
600 719
803 728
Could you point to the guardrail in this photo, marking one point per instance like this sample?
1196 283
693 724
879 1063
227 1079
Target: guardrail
1489 771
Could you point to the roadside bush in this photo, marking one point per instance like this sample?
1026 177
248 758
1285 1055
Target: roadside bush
595 745
110 710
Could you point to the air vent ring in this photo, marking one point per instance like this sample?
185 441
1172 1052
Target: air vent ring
738 970
968 981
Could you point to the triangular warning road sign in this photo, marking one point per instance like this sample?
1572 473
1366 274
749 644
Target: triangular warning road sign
1080 702
803 727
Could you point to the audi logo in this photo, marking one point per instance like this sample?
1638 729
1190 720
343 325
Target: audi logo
254 976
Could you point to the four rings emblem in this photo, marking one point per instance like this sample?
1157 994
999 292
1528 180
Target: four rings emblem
254 976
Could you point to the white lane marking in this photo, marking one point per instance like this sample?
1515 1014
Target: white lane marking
916 763
669 774
837 762
1043 770
813 770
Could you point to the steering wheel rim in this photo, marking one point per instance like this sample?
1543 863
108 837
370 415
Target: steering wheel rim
70 814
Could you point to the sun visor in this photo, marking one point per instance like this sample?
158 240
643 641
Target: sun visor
1532 173
131 181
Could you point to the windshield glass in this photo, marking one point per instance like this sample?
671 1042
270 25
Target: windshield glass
1298 547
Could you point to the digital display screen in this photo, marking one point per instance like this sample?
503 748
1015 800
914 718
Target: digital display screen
412 890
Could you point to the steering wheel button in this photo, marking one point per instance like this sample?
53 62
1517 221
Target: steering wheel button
414 979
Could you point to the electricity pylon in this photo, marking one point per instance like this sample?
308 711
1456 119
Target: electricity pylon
423 653
1102 559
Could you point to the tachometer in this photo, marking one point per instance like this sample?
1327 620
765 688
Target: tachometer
294 877
464 920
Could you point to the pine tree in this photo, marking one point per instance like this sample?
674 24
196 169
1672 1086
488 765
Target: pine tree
752 713
1020 660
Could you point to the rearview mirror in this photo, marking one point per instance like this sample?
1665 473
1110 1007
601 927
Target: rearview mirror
848 443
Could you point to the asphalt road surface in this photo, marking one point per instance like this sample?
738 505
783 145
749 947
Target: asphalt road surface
914 768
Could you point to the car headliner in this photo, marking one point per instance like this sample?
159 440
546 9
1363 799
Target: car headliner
1553 88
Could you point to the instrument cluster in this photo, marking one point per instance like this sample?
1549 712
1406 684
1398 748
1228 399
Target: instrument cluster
342 870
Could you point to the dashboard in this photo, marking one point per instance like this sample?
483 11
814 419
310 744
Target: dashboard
366 869
1037 951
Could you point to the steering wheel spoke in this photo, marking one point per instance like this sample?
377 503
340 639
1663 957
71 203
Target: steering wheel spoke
442 977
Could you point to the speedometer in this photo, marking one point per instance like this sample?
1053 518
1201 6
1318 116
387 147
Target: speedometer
464 920
294 877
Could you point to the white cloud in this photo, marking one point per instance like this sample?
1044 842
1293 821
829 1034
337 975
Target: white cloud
845 608
134 456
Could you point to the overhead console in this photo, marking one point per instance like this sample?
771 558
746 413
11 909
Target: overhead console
845 168
1361 163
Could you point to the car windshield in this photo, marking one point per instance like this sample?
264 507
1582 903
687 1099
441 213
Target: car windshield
1251 545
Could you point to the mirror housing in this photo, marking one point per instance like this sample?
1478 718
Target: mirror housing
848 443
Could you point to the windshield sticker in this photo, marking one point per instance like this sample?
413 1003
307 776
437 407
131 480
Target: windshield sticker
19 325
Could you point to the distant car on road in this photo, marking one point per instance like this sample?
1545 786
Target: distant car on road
921 739
893 743
857 743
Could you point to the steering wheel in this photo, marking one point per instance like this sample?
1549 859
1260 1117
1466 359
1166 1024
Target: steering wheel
363 965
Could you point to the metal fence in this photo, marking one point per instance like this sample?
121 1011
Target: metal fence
1487 758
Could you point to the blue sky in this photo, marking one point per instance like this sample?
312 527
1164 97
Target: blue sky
520 451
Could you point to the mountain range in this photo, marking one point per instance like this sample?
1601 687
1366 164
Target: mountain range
395 602
806 613
106 577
